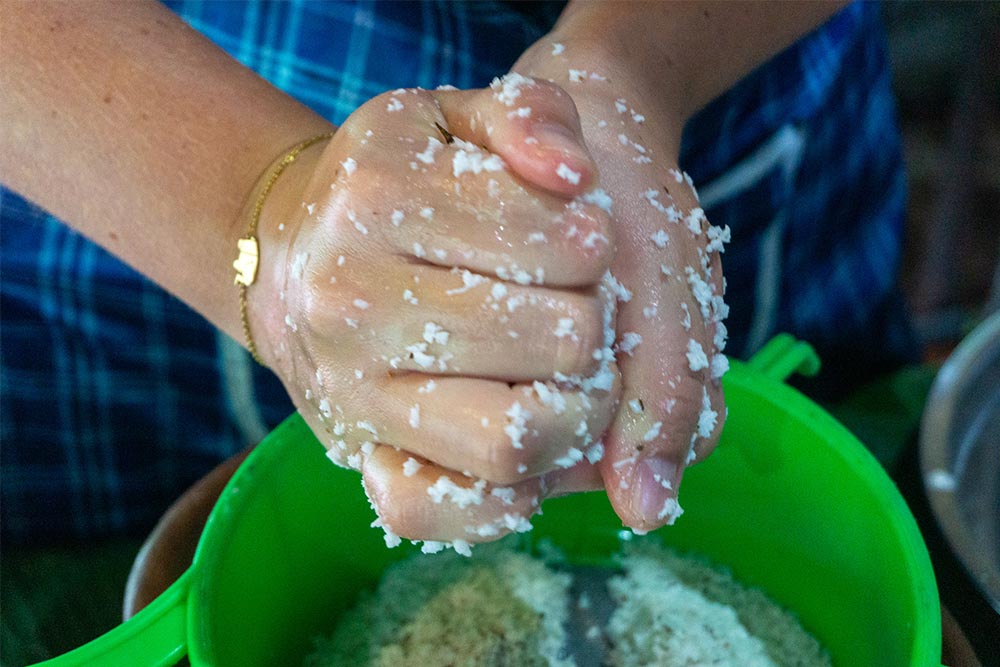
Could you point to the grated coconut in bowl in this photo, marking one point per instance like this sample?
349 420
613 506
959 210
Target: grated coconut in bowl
504 608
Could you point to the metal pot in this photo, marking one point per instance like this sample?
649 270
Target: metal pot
960 454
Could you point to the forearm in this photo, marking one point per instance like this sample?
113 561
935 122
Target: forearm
141 134
672 58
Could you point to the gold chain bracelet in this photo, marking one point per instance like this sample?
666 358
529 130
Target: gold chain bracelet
249 250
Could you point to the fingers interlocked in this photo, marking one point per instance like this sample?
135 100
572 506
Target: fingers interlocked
445 330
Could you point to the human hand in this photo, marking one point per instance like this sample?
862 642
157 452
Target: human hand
420 293
670 311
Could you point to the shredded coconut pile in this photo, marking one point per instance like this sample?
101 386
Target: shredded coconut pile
675 611
505 609
501 608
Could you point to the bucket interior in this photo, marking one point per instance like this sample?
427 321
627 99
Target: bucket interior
789 501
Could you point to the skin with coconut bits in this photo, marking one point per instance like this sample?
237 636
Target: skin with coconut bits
448 288
666 277
479 285
502 259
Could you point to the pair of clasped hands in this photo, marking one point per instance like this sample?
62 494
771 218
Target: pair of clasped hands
484 298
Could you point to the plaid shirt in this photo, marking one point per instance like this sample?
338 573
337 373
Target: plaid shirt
114 396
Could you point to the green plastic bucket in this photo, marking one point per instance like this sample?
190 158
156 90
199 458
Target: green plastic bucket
790 501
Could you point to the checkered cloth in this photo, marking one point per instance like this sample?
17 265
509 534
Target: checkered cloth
114 396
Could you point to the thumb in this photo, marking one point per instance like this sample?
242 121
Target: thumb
532 124
643 467
666 409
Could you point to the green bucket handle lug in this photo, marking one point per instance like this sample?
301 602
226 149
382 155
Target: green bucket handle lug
784 355
155 637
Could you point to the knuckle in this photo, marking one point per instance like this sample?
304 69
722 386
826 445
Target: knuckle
590 240
575 352
590 319
321 307
602 410
574 355
551 94
560 441
683 406
505 464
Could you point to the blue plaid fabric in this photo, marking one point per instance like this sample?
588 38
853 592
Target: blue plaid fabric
114 397
803 159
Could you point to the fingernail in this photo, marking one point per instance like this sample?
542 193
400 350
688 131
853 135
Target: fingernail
557 137
656 495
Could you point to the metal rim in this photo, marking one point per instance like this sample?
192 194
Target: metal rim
934 435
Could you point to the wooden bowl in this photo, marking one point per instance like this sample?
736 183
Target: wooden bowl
168 551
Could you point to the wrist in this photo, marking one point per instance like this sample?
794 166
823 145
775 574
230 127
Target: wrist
632 47
616 102
602 82
281 213
682 55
